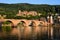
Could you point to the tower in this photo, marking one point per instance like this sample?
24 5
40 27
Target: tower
50 19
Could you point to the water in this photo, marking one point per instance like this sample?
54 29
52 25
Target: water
29 33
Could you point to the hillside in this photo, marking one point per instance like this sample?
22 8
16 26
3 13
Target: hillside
12 9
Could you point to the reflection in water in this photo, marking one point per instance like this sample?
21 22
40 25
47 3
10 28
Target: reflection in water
0 26
28 32
36 32
31 32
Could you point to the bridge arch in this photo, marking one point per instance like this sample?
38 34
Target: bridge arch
41 23
8 23
32 23
21 23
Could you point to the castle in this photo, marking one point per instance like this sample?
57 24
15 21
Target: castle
27 13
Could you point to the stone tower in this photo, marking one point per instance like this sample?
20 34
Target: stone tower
50 19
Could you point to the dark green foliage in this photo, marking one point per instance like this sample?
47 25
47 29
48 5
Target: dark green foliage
30 17
12 9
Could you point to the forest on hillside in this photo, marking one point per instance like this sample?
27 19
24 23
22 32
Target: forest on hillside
12 9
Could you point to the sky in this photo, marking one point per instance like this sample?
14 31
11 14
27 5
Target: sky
51 2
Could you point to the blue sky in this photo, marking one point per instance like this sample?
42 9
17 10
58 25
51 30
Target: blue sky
51 2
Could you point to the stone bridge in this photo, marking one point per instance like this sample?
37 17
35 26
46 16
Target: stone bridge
15 22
